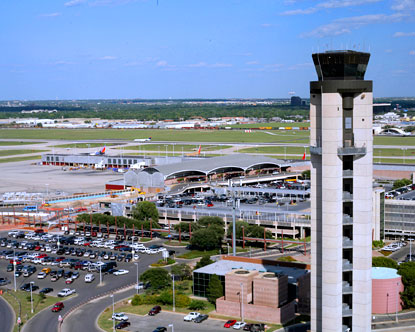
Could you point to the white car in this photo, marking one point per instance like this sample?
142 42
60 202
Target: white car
191 316
66 292
136 257
120 316
41 275
120 272
239 325
89 277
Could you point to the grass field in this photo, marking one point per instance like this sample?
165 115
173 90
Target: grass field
22 297
394 153
276 150
393 161
4 153
391 140
177 147
15 159
85 145
159 135
11 143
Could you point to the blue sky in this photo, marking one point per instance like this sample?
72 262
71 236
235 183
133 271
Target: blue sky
82 49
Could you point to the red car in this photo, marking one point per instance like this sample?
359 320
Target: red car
58 307
69 281
229 323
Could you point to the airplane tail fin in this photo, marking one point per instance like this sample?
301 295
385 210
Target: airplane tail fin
200 148
303 156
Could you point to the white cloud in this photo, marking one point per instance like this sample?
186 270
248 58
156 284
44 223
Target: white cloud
328 5
108 57
404 34
162 63
51 15
198 65
346 25
404 5
412 52
72 3
221 65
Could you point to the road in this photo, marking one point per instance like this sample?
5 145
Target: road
7 317
48 321
85 318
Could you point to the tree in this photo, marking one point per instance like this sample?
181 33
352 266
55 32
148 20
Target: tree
401 183
215 289
183 271
205 260
306 175
211 221
146 210
384 262
407 271
206 239
159 278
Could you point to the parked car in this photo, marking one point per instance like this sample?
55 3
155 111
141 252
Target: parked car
66 292
191 316
120 316
239 325
154 311
89 277
160 329
120 272
4 281
201 318
58 307
46 290
122 325
230 323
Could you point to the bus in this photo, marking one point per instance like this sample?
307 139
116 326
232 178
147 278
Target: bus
30 208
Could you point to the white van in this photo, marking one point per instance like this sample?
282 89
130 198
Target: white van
89 277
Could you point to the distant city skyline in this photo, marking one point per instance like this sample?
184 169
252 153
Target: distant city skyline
149 49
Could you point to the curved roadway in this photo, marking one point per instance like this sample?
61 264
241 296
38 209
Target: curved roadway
7 317
48 321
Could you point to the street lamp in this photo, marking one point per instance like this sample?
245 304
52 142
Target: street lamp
100 268
172 327
14 268
242 302
410 249
113 312
31 297
136 264
397 299
174 299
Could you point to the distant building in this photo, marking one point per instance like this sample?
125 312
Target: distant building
296 101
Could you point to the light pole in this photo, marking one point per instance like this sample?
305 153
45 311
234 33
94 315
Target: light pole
403 150
100 270
172 327
113 312
410 249
136 264
397 300
242 302
47 189
31 297
174 299
166 150
14 268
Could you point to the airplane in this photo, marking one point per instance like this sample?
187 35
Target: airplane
142 139
196 153
139 165
98 153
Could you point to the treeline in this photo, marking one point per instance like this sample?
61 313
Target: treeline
156 112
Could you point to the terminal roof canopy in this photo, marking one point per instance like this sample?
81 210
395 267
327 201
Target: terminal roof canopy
207 166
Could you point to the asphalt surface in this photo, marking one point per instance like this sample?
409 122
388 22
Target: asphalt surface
7 317
149 323
47 320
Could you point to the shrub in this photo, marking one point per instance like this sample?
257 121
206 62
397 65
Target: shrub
182 301
384 262
197 305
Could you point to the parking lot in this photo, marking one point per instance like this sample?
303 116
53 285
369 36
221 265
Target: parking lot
149 323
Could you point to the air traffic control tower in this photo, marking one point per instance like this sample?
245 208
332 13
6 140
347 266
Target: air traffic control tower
341 193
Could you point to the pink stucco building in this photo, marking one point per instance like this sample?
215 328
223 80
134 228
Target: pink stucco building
386 286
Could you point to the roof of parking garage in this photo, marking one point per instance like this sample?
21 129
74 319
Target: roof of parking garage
205 166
